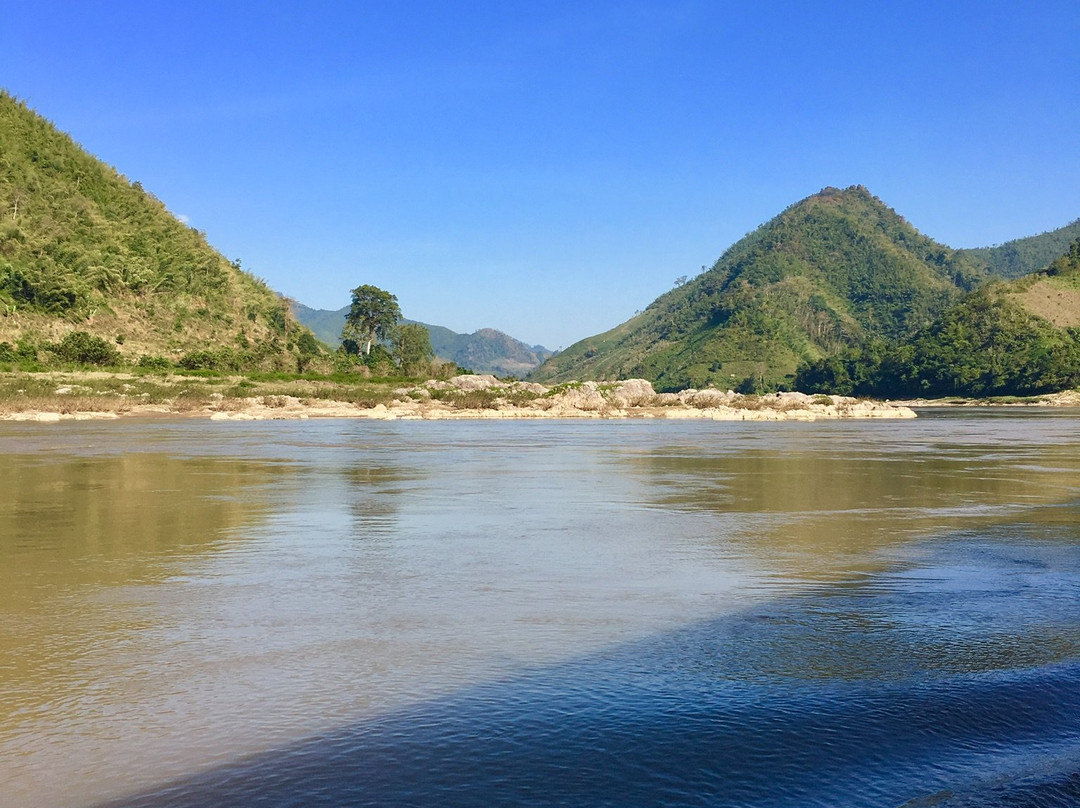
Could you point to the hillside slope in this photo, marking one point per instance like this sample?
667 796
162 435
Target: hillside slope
1019 337
483 351
82 248
830 271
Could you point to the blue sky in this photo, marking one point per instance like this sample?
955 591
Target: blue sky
548 168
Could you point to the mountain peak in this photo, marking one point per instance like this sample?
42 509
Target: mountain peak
830 191
853 195
831 270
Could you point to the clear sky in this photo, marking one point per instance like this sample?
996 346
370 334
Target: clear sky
547 168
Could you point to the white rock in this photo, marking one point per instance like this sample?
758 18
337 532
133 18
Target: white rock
633 393
586 398
475 382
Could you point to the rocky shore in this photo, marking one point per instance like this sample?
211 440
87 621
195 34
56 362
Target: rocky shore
485 397
1066 398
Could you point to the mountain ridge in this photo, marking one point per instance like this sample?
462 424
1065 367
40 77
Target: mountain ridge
1023 256
486 350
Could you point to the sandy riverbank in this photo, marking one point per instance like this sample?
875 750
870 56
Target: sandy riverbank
484 397
73 397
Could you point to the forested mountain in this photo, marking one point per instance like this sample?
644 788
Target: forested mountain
1022 256
1019 337
491 351
483 351
82 248
834 270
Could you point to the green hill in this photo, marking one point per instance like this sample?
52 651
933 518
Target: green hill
831 271
1019 337
1022 256
84 249
483 351
324 324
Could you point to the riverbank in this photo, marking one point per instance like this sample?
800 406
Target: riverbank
53 397
1067 398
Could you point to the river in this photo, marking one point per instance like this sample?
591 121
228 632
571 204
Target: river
541 613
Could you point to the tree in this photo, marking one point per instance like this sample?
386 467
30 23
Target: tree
307 348
412 346
374 312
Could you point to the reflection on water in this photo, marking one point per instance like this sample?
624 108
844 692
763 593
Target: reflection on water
86 543
177 595
72 528
826 508
74 522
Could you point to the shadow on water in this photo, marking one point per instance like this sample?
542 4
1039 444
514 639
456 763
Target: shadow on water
952 679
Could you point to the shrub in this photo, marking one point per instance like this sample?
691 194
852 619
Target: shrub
198 360
154 363
753 385
82 348
26 350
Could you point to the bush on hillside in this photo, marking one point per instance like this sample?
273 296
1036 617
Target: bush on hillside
154 363
81 348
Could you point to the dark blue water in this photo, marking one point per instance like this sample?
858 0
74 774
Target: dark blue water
952 679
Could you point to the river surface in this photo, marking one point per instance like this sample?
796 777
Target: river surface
541 613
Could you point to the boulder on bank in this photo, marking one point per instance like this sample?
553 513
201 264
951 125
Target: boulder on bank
632 393
586 398
475 382
484 396
707 398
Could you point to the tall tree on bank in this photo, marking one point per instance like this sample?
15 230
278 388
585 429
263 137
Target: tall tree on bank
412 346
372 316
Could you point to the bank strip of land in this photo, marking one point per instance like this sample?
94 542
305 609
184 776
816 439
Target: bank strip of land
52 397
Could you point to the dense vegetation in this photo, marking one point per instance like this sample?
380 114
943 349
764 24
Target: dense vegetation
829 273
83 249
992 343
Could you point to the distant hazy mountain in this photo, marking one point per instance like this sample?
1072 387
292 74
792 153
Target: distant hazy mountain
484 351
831 271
